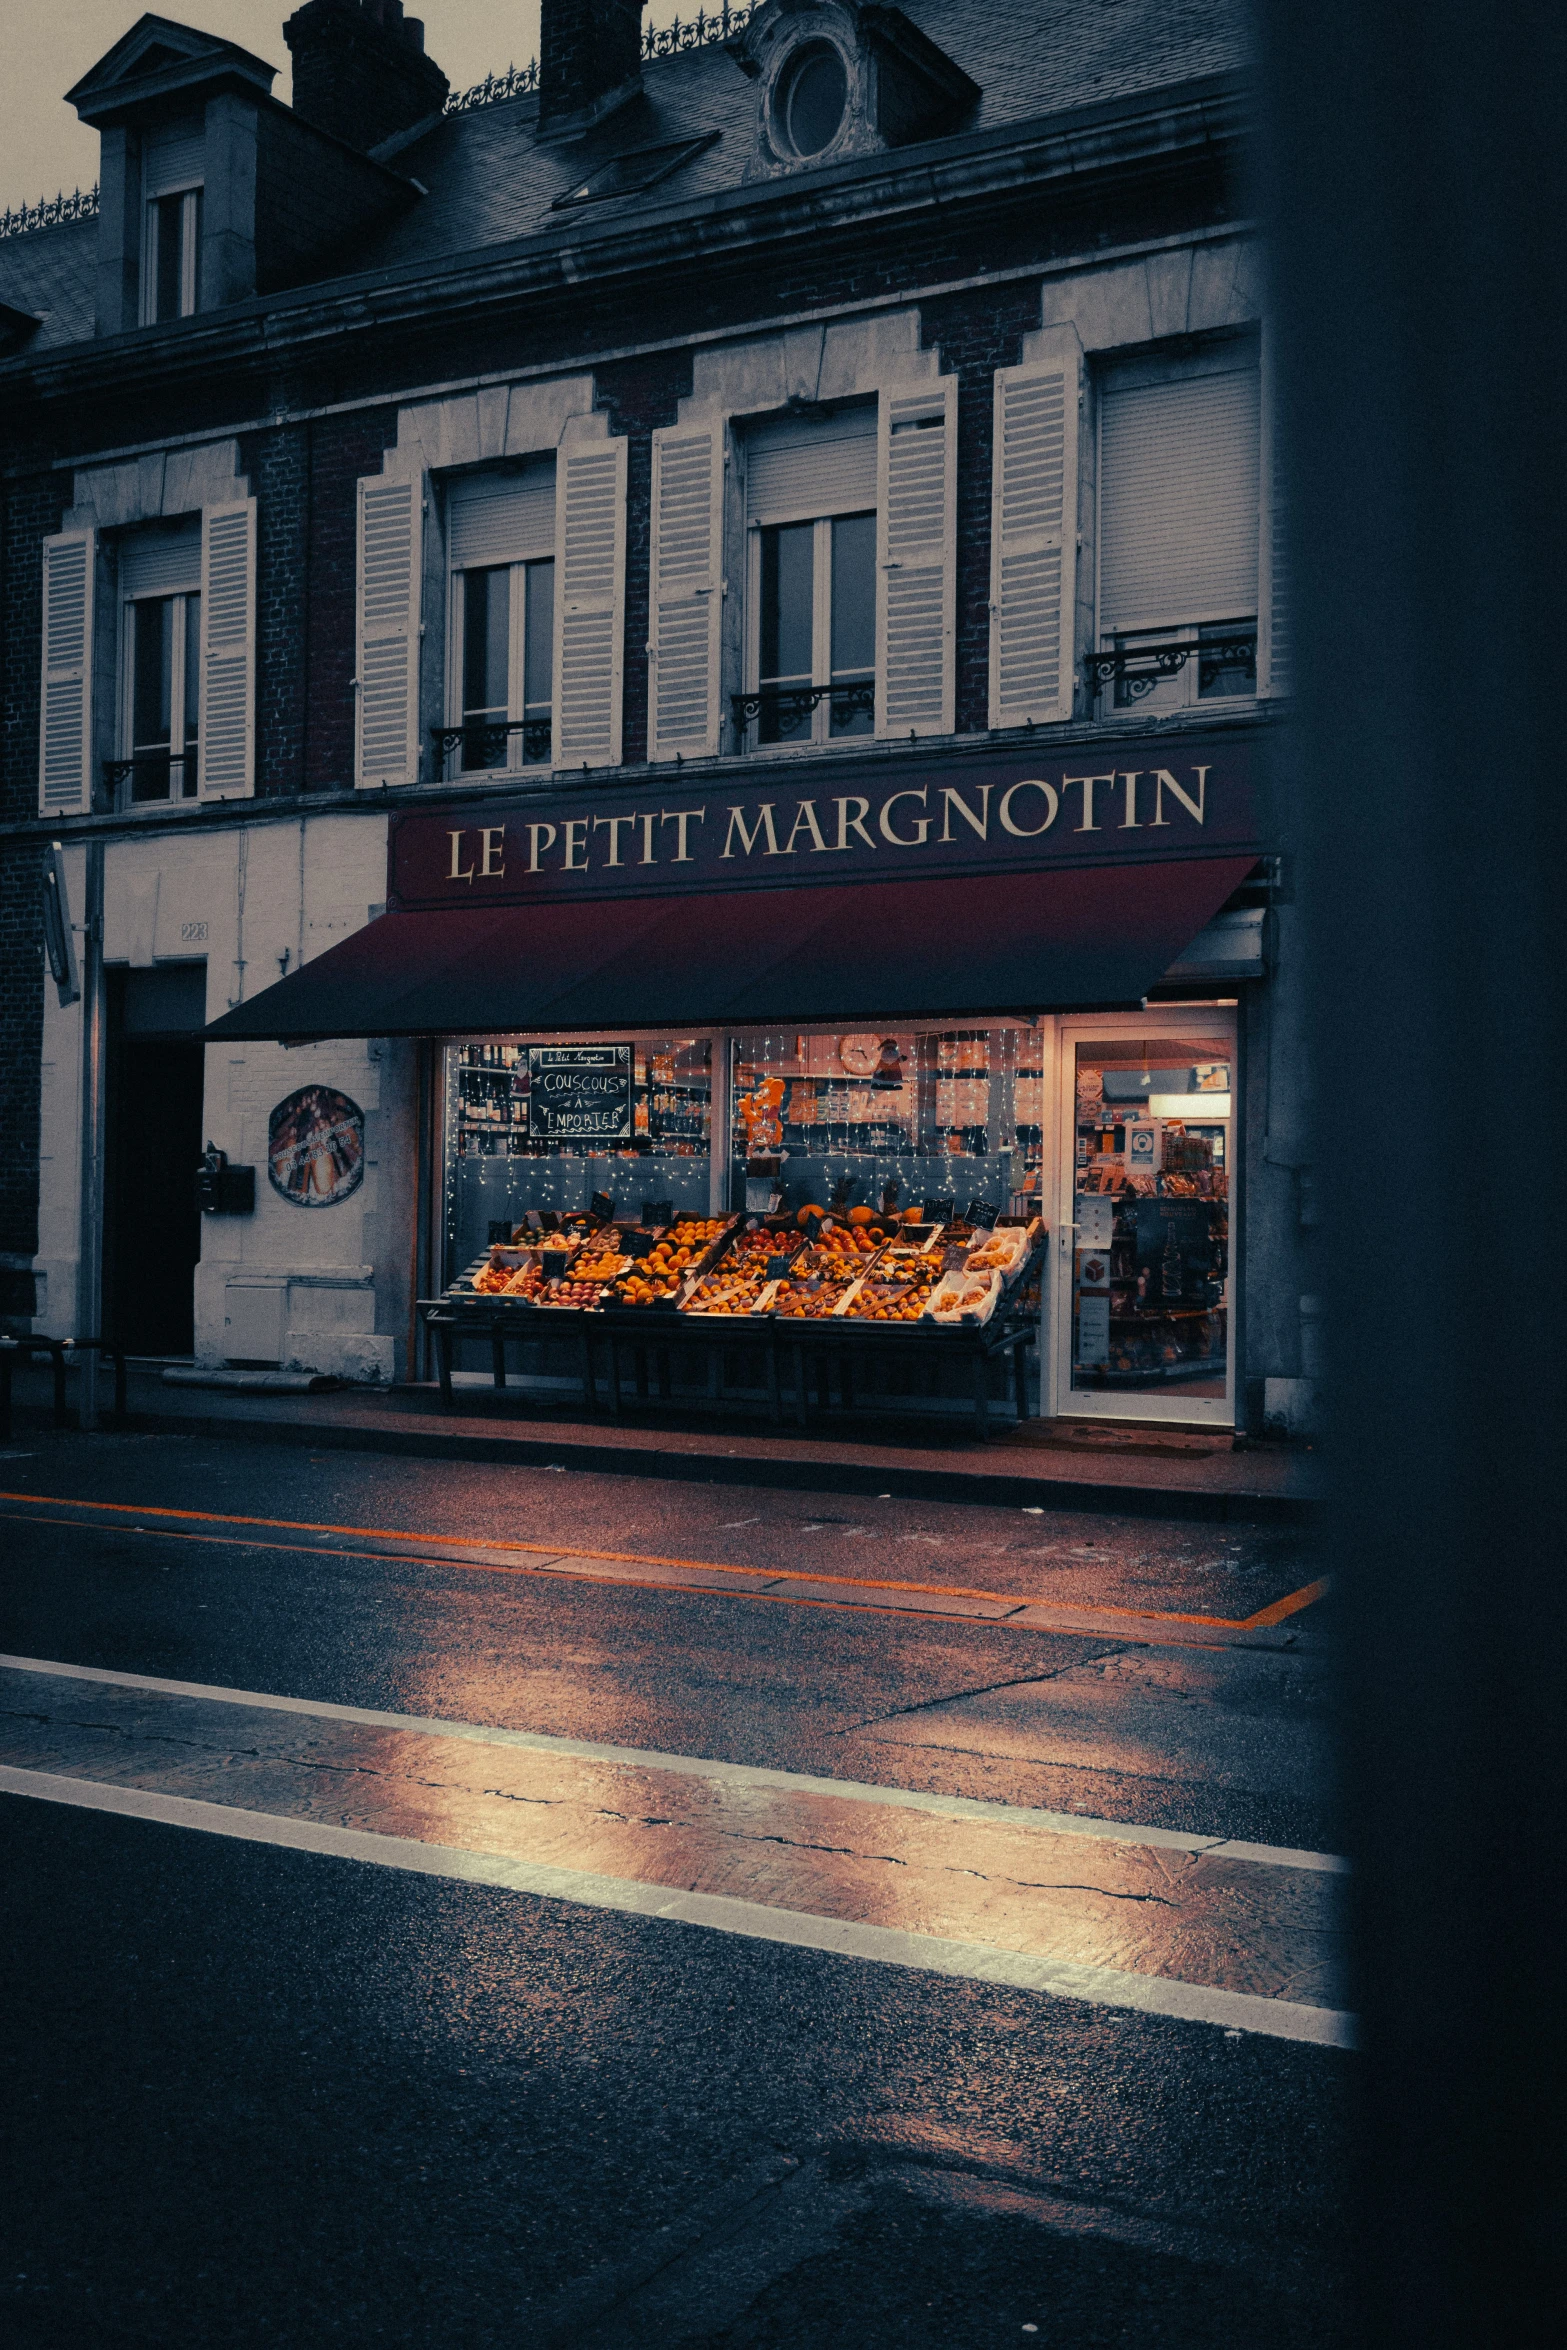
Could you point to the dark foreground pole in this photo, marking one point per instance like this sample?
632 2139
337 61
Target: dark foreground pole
1413 165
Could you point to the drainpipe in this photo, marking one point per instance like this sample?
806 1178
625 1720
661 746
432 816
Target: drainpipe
89 1280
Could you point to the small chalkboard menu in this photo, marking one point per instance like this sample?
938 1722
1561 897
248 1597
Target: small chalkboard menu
580 1093
937 1211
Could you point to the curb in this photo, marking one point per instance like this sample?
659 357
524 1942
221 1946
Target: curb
995 1489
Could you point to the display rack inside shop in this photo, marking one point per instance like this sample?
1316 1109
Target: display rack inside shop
812 1298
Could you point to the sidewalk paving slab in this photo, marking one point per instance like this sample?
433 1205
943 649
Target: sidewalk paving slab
1167 1475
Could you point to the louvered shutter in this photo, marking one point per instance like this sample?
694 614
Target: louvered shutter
590 572
65 720
686 601
226 739
1033 541
386 734
916 531
1273 576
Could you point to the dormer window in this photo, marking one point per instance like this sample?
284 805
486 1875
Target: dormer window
173 164
840 78
811 99
173 256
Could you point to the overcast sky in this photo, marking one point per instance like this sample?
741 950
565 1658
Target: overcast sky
49 45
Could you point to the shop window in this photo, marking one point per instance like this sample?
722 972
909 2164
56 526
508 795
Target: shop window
811 606
1178 530
542 1126
501 540
1150 1293
890 1117
160 666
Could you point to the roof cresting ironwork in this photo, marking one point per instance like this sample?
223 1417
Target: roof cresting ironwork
50 211
670 40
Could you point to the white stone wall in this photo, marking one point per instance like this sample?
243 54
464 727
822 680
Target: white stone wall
316 1289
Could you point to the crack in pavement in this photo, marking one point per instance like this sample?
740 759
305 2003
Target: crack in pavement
988 1689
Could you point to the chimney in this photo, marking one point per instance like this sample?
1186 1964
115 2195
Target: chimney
590 62
360 70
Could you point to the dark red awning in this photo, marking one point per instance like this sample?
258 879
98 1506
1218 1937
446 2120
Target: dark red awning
879 951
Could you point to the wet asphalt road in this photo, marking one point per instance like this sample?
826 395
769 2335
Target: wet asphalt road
264 2097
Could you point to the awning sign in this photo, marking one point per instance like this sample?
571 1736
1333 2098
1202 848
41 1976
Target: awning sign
580 1093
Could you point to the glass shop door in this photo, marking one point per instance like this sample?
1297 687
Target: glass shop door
1144 1321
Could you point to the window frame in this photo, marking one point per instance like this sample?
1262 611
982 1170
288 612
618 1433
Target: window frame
179 678
190 252
1181 690
820 731
516 760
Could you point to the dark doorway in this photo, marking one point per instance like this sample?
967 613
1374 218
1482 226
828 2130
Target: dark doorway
152 1142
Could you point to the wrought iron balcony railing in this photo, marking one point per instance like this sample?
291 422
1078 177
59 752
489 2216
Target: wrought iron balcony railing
480 747
785 706
150 775
1134 670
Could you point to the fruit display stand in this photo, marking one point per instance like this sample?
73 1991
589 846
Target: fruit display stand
799 1353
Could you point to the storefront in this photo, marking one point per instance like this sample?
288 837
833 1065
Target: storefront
943 986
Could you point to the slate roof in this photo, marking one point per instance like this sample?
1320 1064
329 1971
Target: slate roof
489 184
48 273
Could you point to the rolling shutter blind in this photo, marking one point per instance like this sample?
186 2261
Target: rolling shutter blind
161 562
65 721
687 599
173 156
1033 541
1273 582
802 467
226 743
1178 499
386 741
590 572
502 517
916 529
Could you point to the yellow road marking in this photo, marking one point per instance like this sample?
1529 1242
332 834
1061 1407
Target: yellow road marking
1276 1613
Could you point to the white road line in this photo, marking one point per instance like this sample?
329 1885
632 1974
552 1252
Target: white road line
696 1766
1278 2019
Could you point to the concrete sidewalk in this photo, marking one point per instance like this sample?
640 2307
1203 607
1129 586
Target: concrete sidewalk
1143 1473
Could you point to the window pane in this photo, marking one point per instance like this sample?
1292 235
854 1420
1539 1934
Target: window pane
1150 1288
853 614
539 645
167 214
786 602
192 690
854 595
153 678
191 256
486 650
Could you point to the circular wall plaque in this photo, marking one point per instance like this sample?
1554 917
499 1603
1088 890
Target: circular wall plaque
316 1147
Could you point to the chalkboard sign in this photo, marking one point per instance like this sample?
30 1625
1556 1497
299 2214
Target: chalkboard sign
580 1093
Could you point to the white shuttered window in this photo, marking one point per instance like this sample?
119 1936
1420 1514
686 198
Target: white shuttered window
917 512
1033 537
687 590
1178 493
65 718
390 563
226 764
590 572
